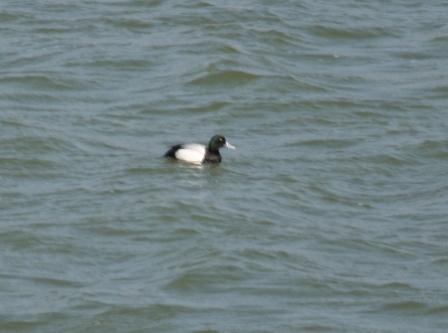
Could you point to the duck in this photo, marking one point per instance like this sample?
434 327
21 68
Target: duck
197 153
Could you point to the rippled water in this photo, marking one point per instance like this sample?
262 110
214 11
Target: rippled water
331 215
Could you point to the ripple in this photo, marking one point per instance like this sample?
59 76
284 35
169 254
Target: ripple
7 17
406 306
396 286
438 310
437 149
443 261
130 23
207 107
317 328
409 55
440 39
119 64
38 144
336 32
40 81
440 92
32 163
225 78
333 143
206 278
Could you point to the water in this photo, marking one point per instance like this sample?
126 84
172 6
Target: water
329 217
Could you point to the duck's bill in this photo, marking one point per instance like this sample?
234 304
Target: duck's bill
228 145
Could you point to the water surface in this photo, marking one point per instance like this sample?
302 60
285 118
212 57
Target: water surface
329 217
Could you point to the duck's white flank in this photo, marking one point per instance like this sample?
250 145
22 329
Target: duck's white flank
192 152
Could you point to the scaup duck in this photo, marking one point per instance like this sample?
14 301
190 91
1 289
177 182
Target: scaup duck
197 153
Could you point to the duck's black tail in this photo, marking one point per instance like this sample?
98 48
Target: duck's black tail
172 151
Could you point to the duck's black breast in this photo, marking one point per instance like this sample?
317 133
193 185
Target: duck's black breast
172 151
212 156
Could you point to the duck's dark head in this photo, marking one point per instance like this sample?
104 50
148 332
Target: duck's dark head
217 142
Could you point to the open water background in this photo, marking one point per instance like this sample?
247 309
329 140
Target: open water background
331 215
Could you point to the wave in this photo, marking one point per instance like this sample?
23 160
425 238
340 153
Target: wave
225 78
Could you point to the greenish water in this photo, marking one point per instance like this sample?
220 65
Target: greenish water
331 215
